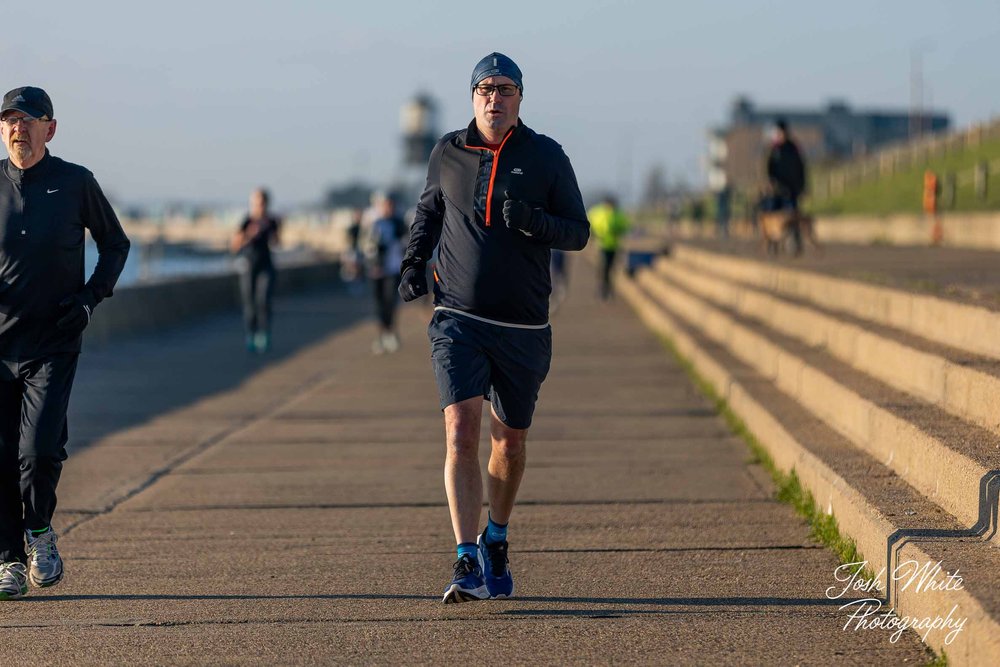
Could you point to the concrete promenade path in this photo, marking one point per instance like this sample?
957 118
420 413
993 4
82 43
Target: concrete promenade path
219 508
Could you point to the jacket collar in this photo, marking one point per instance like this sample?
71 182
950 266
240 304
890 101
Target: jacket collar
475 140
17 176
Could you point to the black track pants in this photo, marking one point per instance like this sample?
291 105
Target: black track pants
34 397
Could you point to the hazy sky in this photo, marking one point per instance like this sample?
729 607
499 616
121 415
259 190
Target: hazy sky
204 100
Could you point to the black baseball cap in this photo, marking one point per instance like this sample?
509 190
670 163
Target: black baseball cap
31 100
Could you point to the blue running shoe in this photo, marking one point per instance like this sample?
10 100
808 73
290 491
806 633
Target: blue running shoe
262 342
493 560
467 585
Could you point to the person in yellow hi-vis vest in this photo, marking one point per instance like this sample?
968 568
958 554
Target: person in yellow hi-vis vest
610 224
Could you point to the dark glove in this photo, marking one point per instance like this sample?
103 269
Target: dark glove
519 215
413 283
77 310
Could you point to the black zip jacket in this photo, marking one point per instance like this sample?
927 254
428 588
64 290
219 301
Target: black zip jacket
786 169
43 213
484 268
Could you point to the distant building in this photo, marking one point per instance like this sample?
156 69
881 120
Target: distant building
736 153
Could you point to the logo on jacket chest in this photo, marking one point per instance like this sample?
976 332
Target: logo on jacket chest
517 171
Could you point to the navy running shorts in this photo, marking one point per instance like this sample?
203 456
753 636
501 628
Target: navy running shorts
505 365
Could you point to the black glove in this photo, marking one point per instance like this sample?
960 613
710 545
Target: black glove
519 215
413 283
77 310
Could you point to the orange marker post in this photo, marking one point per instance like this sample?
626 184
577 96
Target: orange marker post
932 188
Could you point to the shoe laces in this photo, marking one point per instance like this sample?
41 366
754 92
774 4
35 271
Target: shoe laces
496 552
15 570
42 548
465 565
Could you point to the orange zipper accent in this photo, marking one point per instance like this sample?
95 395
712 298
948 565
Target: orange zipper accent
493 172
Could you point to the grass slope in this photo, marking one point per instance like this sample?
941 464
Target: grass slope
903 191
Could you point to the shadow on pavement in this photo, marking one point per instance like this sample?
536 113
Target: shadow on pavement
682 602
345 596
127 382
661 602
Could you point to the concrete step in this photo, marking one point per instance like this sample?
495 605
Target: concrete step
962 383
965 327
891 522
948 460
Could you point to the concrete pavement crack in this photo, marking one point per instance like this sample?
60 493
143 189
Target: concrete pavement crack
310 386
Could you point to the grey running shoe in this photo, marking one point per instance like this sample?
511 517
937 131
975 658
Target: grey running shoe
390 342
13 581
46 567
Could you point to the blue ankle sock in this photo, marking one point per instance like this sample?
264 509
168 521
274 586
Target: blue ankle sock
495 532
468 549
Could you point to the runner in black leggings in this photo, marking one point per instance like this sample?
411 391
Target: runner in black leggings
258 232
385 252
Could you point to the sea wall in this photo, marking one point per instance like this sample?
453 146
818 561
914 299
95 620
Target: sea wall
152 306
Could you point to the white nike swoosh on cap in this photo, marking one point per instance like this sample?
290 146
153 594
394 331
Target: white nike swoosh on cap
47 191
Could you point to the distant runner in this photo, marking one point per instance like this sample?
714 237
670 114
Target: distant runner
385 252
610 225
257 234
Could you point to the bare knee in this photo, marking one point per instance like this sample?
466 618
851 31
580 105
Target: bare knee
461 421
508 443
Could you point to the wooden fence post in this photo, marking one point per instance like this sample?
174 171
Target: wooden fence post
949 191
982 179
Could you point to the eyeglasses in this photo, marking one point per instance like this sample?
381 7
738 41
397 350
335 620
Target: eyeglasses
505 90
12 121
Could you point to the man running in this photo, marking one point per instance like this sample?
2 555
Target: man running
45 206
253 241
610 225
385 251
498 198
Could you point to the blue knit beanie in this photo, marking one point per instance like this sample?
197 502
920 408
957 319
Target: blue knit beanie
496 64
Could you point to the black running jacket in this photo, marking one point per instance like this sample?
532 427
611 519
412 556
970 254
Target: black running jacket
44 211
482 267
